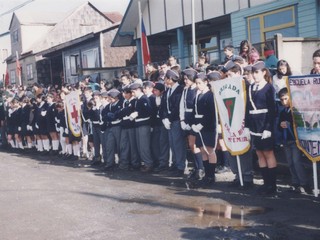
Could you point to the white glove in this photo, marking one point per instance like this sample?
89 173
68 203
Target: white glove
43 113
188 128
10 111
36 125
19 129
57 129
183 125
28 127
266 134
133 116
166 123
66 131
197 127
219 129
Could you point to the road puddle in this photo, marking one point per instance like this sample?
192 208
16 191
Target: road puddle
223 215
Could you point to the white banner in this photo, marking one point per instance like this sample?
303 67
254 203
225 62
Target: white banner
305 105
72 103
230 97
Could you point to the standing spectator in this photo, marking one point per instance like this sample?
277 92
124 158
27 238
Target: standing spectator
271 59
316 62
299 177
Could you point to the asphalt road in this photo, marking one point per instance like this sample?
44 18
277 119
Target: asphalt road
43 200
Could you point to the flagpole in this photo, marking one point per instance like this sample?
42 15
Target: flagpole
315 179
140 24
193 33
239 171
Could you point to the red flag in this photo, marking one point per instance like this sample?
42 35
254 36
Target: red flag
144 45
6 79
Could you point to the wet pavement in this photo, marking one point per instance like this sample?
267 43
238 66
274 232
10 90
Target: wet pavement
45 199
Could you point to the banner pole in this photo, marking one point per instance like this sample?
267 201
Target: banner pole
315 179
239 171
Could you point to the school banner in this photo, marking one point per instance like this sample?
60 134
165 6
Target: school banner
72 103
305 106
230 98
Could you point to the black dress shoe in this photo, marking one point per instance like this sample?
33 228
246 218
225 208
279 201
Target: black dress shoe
160 169
146 169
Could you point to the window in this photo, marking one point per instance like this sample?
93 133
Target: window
74 60
90 58
15 36
12 76
209 46
29 72
4 54
263 27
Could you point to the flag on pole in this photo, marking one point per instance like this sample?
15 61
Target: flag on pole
230 97
6 78
72 111
18 68
144 45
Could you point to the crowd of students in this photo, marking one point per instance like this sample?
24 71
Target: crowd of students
173 110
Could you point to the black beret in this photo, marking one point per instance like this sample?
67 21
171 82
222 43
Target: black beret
172 74
202 76
248 68
113 93
159 86
148 84
230 64
258 66
190 73
96 93
135 85
213 76
104 94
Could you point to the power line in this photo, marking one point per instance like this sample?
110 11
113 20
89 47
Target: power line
16 8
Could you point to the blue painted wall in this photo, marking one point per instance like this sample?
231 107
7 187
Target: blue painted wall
307 18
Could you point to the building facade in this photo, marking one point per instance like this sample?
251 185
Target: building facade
217 23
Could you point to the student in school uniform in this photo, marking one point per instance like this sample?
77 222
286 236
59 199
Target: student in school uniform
205 126
51 124
43 143
159 136
128 156
113 129
186 116
141 116
260 121
171 121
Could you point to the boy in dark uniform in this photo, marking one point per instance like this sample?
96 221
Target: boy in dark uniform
159 136
113 129
141 117
171 121
128 156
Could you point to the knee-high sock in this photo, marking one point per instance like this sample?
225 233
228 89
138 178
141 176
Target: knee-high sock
63 145
76 150
69 149
55 145
12 144
46 144
39 145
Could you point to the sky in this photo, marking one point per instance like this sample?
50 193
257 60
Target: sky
55 6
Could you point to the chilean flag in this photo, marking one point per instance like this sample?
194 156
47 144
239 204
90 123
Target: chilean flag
144 45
